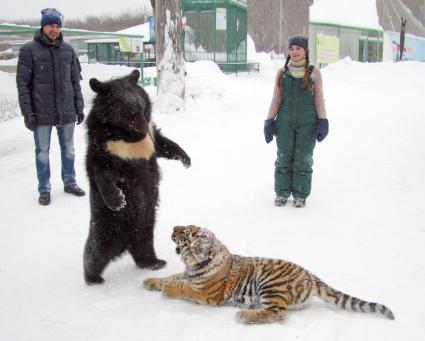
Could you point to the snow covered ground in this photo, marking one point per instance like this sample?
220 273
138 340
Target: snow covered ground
362 231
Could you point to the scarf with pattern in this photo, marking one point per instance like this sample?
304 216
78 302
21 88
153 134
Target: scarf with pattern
296 68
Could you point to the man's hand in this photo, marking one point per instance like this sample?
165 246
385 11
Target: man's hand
30 121
80 117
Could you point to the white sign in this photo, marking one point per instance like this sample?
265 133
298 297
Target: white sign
220 19
136 45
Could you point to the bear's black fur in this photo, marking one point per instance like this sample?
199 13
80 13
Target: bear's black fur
123 172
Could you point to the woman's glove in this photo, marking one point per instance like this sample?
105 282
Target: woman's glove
268 130
322 129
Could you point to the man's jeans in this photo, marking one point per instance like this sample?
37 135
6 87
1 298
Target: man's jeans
42 146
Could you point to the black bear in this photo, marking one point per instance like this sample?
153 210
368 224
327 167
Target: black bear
121 161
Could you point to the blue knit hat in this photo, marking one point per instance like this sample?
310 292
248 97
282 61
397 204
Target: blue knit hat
300 41
50 16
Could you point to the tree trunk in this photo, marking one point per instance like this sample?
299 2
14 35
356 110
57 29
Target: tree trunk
272 22
169 56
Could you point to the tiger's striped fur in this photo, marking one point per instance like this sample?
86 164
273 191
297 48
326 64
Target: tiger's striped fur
266 288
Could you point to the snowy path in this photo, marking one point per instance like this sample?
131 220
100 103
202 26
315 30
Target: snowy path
363 230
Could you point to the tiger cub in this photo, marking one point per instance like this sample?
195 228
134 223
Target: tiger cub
266 287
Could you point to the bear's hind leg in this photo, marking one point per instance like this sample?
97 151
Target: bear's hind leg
97 255
144 255
142 249
141 245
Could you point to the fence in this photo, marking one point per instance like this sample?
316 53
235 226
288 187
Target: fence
9 106
217 31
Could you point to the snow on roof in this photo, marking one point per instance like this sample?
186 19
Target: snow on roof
142 29
359 13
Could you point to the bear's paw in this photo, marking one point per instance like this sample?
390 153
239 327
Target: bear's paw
185 159
117 202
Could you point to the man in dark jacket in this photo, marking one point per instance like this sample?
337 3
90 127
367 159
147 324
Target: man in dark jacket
48 80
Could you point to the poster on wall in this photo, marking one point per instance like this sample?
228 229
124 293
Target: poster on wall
130 45
220 19
125 44
152 34
414 47
327 49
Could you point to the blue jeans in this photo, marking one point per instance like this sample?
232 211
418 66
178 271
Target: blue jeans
42 147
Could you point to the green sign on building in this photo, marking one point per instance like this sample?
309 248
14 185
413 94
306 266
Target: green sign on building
327 49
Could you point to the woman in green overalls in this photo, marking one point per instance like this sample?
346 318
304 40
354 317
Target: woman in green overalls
297 117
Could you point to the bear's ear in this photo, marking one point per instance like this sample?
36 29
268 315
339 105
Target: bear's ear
97 86
134 77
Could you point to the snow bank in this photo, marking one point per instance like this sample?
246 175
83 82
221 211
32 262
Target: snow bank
362 230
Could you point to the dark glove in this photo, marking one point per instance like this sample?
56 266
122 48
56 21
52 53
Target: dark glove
268 130
322 129
80 117
30 121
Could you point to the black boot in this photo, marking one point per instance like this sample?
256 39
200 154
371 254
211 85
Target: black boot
44 198
74 189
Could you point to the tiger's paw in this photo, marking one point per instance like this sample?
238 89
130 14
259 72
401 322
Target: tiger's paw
169 290
245 316
259 316
152 284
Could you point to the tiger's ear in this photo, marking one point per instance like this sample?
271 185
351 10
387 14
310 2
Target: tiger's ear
177 230
205 244
204 233
97 86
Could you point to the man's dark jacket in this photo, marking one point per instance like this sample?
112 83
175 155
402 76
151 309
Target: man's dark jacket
48 79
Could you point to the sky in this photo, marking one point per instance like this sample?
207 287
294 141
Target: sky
361 13
24 9
356 13
362 230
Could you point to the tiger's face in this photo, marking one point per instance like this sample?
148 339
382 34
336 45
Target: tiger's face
193 243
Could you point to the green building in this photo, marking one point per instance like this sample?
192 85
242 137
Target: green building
329 42
125 48
216 31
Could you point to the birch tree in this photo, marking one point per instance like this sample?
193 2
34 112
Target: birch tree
169 55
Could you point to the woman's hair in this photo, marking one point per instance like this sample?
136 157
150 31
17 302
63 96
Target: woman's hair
306 85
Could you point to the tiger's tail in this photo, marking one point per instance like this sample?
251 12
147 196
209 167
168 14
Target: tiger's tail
344 301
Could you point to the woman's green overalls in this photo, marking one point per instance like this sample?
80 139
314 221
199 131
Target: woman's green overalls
295 129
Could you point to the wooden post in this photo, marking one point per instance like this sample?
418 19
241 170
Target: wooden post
402 33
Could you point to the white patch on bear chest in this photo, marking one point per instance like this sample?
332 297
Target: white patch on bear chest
142 149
